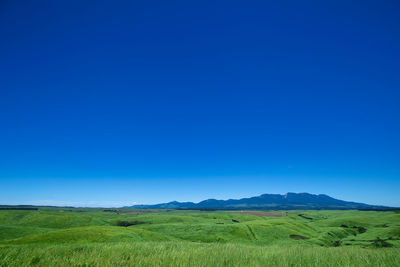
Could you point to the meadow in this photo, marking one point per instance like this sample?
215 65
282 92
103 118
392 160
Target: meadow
129 237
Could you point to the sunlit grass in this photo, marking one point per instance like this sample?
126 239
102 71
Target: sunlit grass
193 238
193 254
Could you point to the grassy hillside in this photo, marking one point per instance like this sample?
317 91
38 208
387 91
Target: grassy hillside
95 237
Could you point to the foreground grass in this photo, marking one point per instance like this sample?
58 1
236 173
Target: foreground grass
192 254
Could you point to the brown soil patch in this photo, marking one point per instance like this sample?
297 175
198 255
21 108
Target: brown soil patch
260 213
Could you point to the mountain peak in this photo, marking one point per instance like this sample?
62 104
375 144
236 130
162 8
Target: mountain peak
287 201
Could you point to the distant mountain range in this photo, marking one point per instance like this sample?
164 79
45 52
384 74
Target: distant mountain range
288 201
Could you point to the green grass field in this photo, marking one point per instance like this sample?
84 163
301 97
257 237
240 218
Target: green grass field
94 237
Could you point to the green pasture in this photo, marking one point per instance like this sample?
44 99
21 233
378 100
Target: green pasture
98 237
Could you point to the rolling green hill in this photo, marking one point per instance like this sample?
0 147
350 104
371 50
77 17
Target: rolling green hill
97 237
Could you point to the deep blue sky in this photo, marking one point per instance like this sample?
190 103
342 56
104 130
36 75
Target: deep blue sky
112 102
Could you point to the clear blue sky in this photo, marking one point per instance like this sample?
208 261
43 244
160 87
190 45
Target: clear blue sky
108 103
